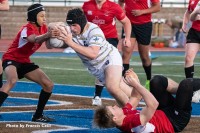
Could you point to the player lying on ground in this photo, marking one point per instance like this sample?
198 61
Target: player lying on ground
162 113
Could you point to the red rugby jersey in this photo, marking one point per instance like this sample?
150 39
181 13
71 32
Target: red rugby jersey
20 50
159 122
104 17
191 6
1 1
138 5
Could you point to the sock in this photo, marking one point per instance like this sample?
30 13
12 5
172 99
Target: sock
43 98
126 67
147 70
189 71
98 90
1 80
3 97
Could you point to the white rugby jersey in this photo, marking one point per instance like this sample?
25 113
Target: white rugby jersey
93 36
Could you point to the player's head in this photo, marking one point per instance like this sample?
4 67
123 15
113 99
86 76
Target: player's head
33 11
104 118
76 16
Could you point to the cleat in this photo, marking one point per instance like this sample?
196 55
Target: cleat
96 101
147 85
196 96
43 119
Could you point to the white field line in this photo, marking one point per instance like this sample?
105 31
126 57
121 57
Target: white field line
83 70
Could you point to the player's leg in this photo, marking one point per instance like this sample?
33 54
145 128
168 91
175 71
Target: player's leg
159 86
96 101
127 51
191 49
113 78
99 86
41 78
11 79
182 107
143 36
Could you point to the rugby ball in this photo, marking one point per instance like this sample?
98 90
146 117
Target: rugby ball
56 43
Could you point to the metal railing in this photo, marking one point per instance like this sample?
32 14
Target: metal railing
164 3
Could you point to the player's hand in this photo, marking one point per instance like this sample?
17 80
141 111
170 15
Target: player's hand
131 78
55 32
136 12
127 42
65 35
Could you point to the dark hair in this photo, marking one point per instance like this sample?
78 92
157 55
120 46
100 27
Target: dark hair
103 118
32 12
76 16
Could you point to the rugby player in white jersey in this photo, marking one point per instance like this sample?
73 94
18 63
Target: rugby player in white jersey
101 58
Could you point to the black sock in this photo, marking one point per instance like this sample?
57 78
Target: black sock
189 71
98 90
1 80
43 98
126 67
147 70
3 97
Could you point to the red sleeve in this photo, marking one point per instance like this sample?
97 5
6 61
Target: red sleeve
127 108
120 14
30 31
155 1
130 121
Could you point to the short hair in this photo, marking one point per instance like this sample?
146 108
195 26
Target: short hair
103 118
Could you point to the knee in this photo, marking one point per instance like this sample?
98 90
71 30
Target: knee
158 82
188 58
186 85
11 82
48 86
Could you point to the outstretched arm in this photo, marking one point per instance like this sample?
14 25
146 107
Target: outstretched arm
151 103
186 18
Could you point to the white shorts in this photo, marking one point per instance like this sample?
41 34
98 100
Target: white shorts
114 58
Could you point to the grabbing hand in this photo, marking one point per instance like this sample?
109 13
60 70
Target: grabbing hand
127 42
65 35
131 78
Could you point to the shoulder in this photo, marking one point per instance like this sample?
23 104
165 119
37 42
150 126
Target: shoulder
93 26
88 3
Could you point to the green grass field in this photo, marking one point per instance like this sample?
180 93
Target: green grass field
70 70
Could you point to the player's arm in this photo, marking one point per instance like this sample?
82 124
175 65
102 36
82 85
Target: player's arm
186 19
90 52
151 103
39 38
127 30
4 5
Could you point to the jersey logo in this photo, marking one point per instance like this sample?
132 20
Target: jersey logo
84 43
106 13
89 12
98 21
96 39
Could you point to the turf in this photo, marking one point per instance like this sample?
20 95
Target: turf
70 70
